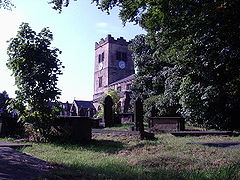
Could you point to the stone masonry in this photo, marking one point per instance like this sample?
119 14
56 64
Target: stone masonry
113 68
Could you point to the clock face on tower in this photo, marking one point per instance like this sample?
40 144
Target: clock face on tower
122 64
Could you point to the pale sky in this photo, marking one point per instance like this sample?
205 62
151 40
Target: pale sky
75 32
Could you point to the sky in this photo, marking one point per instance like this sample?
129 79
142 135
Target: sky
75 32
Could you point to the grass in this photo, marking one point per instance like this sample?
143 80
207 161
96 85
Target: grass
123 157
124 126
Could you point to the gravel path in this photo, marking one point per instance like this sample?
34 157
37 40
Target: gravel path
15 165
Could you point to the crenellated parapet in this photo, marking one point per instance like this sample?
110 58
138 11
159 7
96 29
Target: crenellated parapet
110 39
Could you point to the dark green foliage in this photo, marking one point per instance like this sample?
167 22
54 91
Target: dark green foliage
58 4
35 67
6 4
189 59
4 103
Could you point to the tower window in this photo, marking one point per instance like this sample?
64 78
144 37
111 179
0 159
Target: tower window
101 57
100 82
121 56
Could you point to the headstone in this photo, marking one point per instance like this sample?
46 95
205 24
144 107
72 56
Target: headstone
126 103
108 111
138 115
153 111
138 119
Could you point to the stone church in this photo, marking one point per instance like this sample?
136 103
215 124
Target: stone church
113 69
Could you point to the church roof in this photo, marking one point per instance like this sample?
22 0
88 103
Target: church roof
126 79
84 104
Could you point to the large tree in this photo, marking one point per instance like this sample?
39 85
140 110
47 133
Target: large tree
200 43
36 67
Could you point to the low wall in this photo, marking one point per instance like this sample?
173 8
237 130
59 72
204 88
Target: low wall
166 124
78 127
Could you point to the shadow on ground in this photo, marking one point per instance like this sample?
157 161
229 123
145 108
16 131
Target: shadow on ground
20 166
219 144
117 171
105 146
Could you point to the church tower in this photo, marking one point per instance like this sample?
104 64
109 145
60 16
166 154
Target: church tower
113 62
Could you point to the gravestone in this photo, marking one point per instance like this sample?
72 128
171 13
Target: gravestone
138 115
153 111
126 103
138 119
108 111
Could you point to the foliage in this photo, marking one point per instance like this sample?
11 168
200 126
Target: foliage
192 49
59 4
4 98
35 66
6 4
152 81
115 97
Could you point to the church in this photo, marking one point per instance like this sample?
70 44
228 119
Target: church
114 69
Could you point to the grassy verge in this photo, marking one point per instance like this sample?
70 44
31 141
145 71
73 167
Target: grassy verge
123 157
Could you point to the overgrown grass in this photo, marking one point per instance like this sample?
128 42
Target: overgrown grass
123 157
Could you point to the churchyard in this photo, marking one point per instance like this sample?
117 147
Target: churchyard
129 151
111 156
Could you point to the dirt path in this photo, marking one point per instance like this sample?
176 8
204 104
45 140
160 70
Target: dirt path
15 165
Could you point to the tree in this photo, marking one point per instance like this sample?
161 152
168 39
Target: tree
6 4
200 43
150 82
36 67
4 98
59 4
